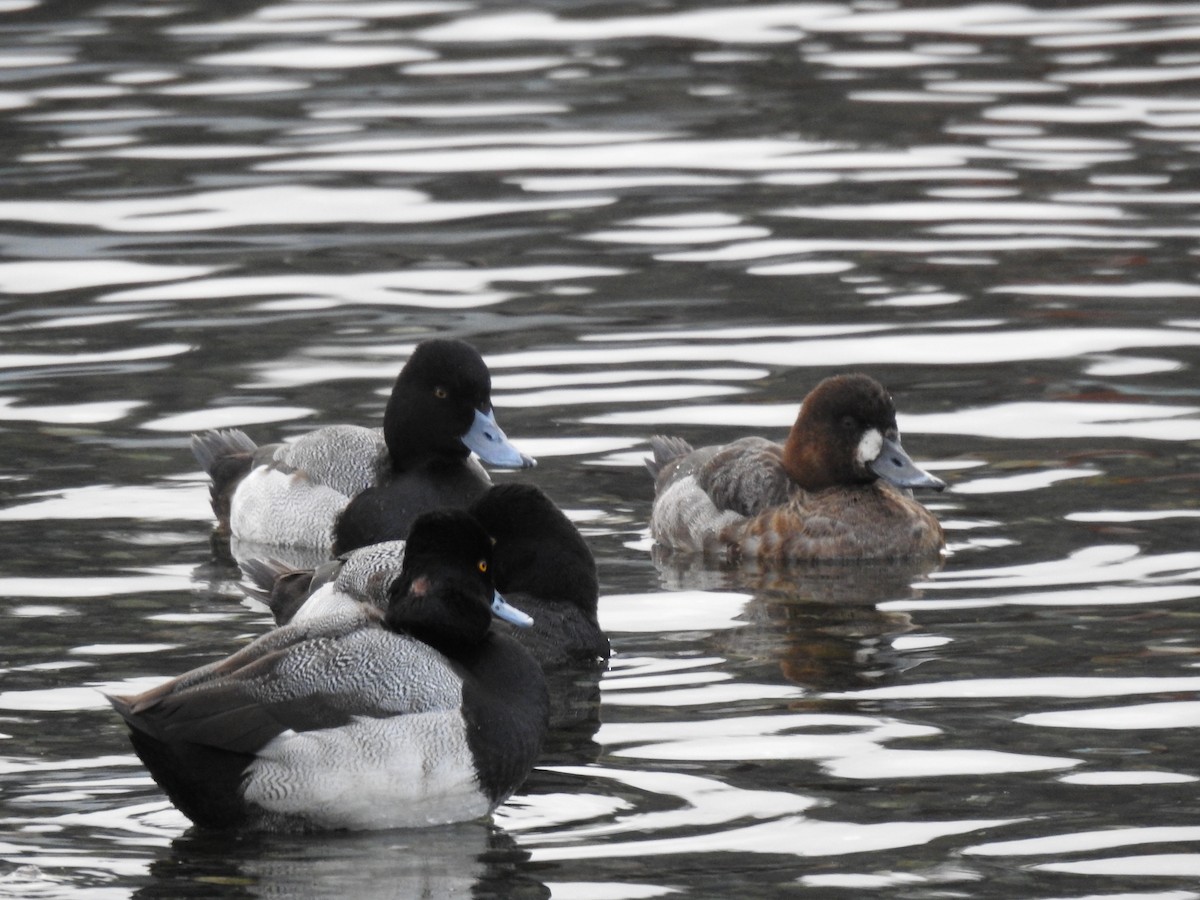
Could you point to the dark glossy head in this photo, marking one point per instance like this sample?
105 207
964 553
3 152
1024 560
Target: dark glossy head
445 594
538 550
846 434
434 401
441 406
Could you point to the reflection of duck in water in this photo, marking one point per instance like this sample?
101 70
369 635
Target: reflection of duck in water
463 860
817 624
540 563
413 716
294 494
837 489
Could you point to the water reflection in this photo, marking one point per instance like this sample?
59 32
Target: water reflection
471 859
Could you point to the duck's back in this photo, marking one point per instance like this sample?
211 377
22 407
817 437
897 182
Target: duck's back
562 634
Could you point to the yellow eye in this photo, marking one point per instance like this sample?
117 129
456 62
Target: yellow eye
441 393
483 565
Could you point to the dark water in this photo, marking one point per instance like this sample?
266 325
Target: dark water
671 216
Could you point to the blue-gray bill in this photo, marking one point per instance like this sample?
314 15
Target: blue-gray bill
502 609
487 440
896 467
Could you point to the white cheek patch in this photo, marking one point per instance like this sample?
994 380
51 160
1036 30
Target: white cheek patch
870 445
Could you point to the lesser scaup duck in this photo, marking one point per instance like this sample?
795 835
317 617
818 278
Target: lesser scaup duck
297 494
417 715
540 562
837 489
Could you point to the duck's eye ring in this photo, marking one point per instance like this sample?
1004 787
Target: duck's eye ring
441 393
483 567
849 423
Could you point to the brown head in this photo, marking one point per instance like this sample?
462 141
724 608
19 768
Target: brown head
846 434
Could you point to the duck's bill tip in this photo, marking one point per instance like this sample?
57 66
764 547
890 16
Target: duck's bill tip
896 467
502 609
488 441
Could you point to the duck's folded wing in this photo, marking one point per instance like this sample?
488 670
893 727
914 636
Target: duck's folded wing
287 681
344 458
745 477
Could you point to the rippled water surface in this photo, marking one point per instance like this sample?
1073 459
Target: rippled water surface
672 216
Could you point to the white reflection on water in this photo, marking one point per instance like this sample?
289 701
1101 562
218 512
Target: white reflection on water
225 417
1026 481
1181 865
318 56
891 763
1013 421
889 345
45 276
704 805
1098 565
227 87
441 111
433 288
672 611
157 503
1104 575
602 152
1182 714
1085 840
1058 686
1144 776
813 736
847 746
165 578
943 210
268 205
135 354
70 414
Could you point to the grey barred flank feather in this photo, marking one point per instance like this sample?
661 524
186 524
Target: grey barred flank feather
345 458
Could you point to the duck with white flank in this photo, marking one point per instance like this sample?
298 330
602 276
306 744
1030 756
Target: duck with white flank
295 494
365 719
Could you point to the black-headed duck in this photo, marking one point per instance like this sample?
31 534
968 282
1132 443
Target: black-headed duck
540 563
347 478
416 715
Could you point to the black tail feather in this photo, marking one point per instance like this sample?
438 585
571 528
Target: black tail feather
227 457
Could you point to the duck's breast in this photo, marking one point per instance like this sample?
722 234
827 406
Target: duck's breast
873 521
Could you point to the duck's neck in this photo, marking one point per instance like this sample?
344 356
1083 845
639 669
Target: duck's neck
522 567
813 469
400 424
454 629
